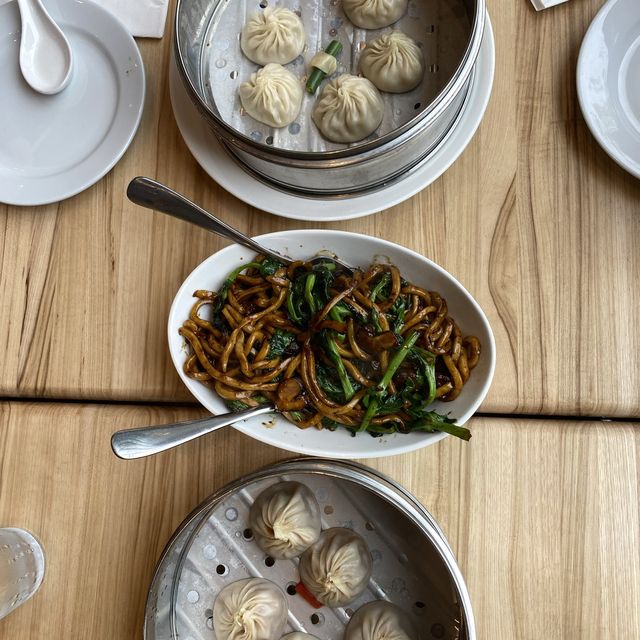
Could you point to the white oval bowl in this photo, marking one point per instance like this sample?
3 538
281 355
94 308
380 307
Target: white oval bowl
358 250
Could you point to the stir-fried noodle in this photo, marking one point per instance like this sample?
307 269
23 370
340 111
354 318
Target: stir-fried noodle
367 351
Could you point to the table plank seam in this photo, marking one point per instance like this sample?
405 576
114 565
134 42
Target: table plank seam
194 405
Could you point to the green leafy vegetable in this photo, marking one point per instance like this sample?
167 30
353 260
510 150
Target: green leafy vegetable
230 279
308 292
236 405
374 316
279 342
295 300
330 382
397 360
433 421
377 393
340 312
334 356
269 266
426 362
411 367
327 383
375 292
324 280
380 287
396 312
390 404
381 429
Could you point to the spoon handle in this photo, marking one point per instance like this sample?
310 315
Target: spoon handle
154 195
145 441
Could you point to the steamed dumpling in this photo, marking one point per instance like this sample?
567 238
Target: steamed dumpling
272 95
273 35
298 635
348 109
285 519
380 620
374 14
250 609
393 62
336 569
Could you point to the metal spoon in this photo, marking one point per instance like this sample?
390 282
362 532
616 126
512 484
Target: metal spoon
145 441
154 195
45 54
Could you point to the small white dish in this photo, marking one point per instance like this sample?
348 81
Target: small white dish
52 147
357 250
231 176
608 81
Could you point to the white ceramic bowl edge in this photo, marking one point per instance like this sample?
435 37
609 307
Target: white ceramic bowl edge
359 250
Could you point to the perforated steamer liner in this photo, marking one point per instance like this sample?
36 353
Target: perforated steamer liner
440 27
297 157
413 564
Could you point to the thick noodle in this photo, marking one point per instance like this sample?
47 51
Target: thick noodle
367 351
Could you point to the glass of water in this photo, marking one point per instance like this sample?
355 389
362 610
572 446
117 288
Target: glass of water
21 568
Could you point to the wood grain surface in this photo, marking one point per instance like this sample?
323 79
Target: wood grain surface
542 515
534 219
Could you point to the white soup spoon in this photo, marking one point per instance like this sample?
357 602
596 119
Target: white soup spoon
45 55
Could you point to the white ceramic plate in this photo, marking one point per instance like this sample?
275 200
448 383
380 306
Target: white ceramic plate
52 147
230 175
608 79
358 250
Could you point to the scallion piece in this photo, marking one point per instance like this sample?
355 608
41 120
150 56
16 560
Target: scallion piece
334 48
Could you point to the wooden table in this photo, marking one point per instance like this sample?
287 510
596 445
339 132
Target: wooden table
534 219
543 516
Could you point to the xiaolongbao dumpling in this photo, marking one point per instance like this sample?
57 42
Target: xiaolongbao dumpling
380 620
298 635
272 95
285 519
336 569
250 609
348 109
393 62
374 14
274 35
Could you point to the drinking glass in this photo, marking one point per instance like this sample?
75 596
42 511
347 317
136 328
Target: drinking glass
21 568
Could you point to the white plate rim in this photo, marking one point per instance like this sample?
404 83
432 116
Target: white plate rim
113 151
200 391
583 94
225 171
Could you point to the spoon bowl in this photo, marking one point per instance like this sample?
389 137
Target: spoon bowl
46 60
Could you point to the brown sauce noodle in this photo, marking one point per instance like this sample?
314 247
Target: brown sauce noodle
318 344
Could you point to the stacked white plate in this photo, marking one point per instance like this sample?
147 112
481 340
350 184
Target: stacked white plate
231 176
54 146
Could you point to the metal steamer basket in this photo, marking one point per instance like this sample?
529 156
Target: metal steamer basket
297 158
413 565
